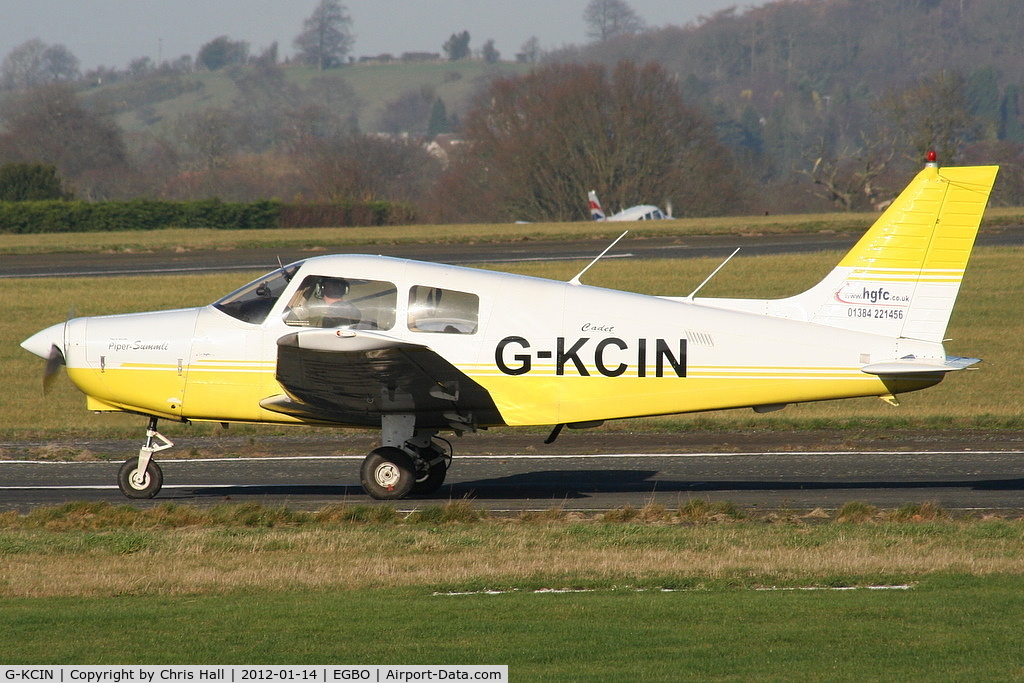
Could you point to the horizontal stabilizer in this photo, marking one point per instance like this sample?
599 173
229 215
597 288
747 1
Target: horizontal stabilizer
911 365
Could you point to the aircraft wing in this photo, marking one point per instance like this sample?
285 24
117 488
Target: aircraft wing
355 376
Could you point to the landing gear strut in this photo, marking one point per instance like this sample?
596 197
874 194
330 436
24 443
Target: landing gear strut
433 462
140 476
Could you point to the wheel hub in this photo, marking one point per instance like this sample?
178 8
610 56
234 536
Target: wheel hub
387 475
139 479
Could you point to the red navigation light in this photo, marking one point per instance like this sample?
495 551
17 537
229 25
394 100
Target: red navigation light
932 156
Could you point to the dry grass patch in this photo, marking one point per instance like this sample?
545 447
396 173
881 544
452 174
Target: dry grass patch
62 452
95 550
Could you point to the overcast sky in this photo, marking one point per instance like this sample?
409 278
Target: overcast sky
113 32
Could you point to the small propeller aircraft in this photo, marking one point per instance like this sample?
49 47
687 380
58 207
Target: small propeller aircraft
640 212
416 349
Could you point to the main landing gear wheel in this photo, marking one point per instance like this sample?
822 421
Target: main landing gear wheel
137 484
388 473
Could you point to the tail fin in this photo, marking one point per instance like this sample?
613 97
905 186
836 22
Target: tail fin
596 212
903 276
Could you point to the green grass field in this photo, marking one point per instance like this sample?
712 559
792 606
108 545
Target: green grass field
704 592
946 628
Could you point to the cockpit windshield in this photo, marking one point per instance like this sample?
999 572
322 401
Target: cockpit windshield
253 302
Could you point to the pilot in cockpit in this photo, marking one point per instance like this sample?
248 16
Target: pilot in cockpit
323 303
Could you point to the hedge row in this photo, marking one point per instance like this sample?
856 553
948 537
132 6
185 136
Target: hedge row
348 213
78 216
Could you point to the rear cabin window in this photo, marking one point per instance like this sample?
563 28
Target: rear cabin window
443 311
323 301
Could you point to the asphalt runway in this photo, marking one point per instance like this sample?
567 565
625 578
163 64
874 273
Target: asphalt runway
530 479
718 246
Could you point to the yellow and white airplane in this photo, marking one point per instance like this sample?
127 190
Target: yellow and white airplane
416 349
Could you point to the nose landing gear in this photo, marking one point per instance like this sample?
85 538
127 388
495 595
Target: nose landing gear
141 477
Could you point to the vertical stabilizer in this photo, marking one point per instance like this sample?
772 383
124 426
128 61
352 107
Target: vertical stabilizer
596 212
903 276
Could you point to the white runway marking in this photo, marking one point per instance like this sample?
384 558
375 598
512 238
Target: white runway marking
524 456
512 457
560 591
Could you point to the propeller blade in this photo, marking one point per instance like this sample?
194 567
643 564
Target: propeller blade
53 363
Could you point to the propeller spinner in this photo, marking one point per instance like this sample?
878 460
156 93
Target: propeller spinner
47 344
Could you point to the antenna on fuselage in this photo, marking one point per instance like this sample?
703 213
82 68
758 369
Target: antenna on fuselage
576 280
713 273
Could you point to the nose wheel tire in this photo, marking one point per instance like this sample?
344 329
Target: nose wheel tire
136 484
388 473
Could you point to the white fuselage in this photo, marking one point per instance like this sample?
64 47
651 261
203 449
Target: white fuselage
546 352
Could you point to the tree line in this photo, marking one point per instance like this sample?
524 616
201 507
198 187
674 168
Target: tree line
842 98
529 149
792 106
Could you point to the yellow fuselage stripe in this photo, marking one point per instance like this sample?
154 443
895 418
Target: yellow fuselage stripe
233 392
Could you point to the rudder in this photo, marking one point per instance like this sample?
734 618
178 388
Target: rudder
903 276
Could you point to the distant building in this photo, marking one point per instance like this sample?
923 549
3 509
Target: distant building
420 57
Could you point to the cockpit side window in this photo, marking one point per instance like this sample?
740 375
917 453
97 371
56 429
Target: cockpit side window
432 309
252 303
326 301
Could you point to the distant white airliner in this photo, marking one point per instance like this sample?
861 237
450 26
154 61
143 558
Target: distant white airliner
641 212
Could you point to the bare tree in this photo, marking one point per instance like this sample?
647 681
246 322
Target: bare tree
529 52
22 68
326 36
263 105
409 112
933 115
847 178
48 124
208 139
60 64
537 143
35 63
489 52
329 109
140 67
607 19
367 168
